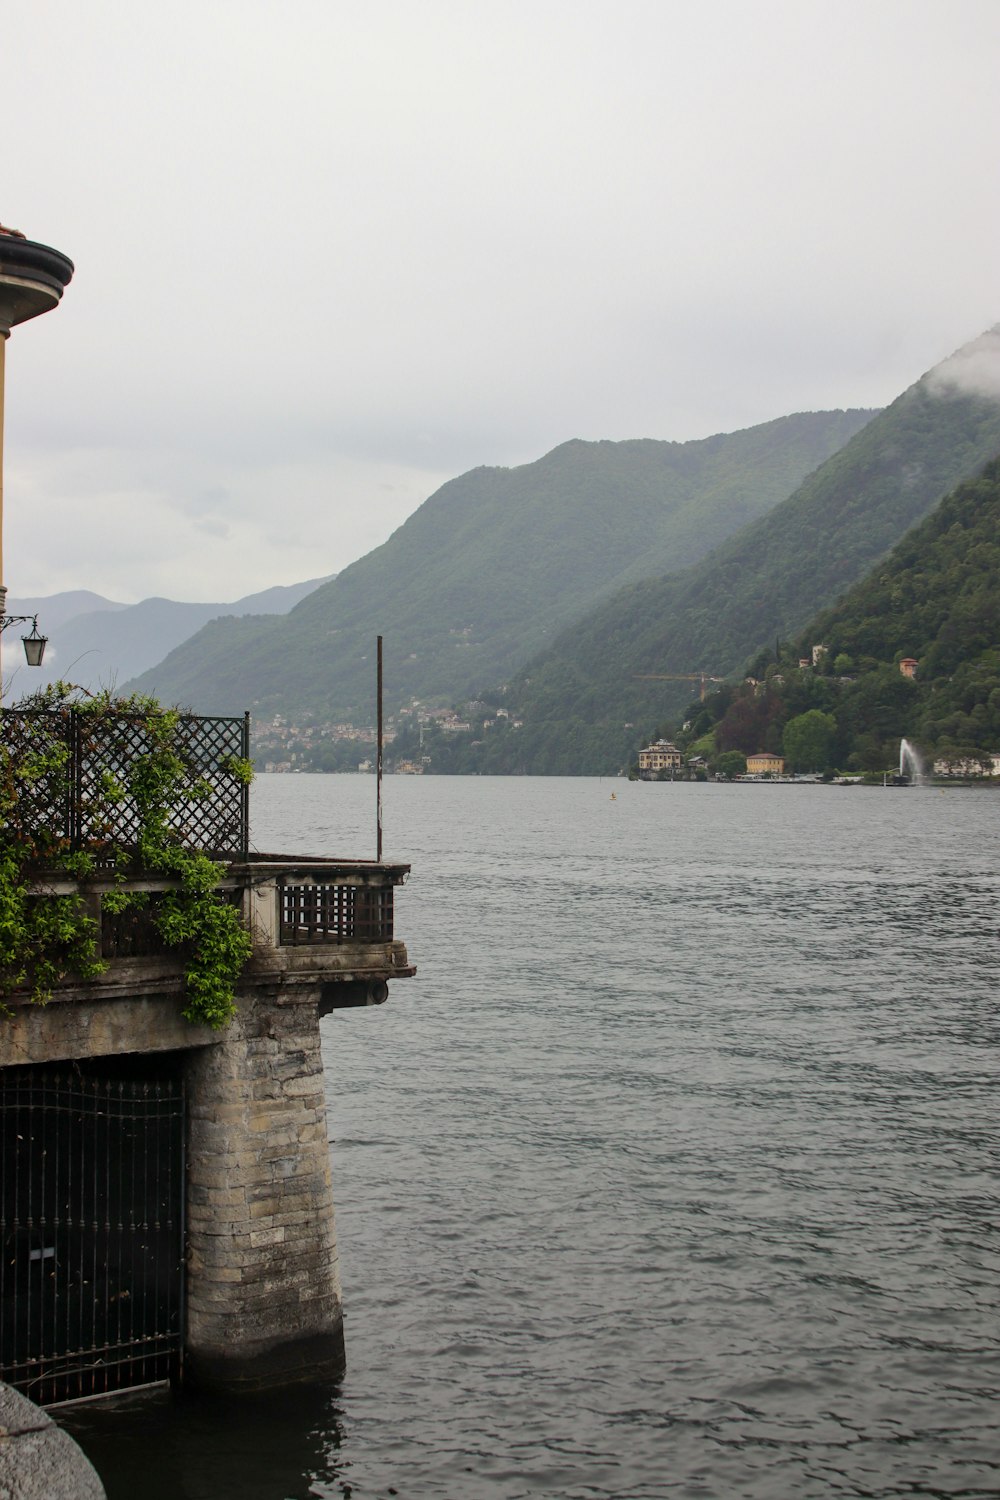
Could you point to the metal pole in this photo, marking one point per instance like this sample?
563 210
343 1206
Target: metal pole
245 803
3 359
4 335
378 757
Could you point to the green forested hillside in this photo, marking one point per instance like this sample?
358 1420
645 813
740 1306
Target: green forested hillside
583 701
493 565
936 600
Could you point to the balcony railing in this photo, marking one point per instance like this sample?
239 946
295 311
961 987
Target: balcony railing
319 913
312 917
69 775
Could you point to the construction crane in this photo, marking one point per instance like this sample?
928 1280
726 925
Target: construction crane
701 677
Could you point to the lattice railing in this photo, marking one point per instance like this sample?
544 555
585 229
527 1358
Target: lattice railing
37 750
318 913
133 933
59 764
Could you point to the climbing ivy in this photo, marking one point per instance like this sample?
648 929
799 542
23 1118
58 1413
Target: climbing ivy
43 938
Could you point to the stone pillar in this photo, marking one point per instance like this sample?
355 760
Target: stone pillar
263 1290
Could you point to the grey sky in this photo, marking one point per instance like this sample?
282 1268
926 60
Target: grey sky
331 254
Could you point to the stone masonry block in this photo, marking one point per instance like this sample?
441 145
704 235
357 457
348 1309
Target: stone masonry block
265 1208
273 1236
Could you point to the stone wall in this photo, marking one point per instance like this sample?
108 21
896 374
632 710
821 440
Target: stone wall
264 1301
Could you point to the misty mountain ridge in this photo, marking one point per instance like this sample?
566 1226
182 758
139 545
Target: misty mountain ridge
935 599
492 566
584 700
98 642
58 608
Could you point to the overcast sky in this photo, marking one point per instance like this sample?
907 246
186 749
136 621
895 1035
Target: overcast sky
329 255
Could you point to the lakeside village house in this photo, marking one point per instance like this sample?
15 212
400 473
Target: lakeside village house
965 766
663 756
764 763
281 745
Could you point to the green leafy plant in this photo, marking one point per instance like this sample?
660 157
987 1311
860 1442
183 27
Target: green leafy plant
44 936
239 768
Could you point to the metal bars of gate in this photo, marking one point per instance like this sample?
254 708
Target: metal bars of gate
91 1226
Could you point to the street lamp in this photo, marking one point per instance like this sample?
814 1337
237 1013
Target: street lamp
34 644
32 278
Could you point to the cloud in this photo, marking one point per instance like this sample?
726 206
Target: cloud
974 369
331 248
210 527
122 522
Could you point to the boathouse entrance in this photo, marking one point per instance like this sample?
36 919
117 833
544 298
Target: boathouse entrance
91 1226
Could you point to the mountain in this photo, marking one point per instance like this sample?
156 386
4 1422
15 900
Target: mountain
57 609
935 600
583 701
96 642
493 565
912 652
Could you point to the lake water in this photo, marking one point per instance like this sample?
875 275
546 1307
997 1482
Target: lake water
673 1172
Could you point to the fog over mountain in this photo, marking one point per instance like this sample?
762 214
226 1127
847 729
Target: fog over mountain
622 665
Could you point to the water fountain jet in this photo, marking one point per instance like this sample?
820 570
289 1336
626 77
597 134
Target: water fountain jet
911 764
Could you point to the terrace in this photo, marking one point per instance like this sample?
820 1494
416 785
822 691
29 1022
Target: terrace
71 781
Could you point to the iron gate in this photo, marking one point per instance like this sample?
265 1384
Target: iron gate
91 1227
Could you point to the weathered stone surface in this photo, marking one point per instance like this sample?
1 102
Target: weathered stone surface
38 1461
97 1028
264 1302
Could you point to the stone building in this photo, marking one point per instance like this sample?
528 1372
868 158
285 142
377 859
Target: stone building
765 763
662 756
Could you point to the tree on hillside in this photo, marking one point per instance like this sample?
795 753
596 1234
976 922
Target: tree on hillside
808 740
882 703
731 763
751 722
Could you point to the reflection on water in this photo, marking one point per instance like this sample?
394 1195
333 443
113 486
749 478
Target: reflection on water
157 1446
674 1172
